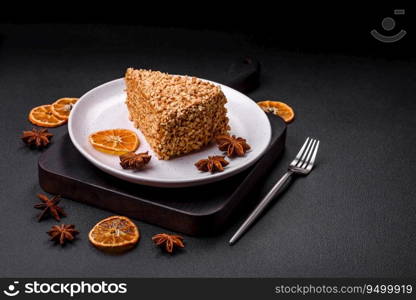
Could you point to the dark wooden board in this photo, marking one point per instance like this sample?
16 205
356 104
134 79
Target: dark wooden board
199 210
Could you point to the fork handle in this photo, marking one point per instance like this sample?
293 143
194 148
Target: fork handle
276 189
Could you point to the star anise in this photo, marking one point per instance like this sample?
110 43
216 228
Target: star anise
134 161
169 241
50 206
234 146
212 164
38 138
62 233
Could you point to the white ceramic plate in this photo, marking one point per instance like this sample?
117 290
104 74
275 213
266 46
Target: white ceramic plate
103 108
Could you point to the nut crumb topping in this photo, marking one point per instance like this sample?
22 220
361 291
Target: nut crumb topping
177 114
170 93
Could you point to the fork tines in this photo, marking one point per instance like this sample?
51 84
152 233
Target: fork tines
305 158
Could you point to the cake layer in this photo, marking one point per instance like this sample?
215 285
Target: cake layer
176 114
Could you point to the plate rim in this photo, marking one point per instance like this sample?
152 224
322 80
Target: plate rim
154 181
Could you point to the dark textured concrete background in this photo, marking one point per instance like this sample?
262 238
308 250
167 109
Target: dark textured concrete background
353 216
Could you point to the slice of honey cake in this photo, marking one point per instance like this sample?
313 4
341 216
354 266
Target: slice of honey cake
176 114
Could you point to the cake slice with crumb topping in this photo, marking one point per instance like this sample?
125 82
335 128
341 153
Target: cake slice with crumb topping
176 114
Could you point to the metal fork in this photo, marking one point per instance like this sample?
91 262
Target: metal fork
302 165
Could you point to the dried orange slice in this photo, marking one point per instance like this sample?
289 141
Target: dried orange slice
62 107
115 141
43 116
279 109
114 234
